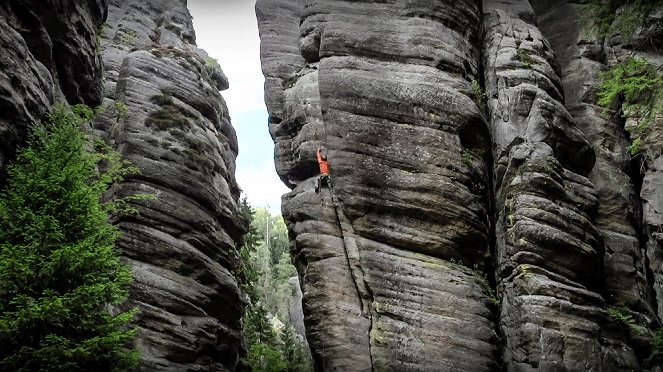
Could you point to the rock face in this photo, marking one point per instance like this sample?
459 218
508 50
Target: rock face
463 230
549 251
167 117
381 260
47 55
164 113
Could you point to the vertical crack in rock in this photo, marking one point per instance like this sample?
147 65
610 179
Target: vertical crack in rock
352 255
168 118
390 97
549 251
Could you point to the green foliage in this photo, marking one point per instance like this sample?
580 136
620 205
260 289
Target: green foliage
469 156
127 36
169 115
257 327
625 17
248 272
638 86
121 109
263 358
622 316
635 147
266 280
657 347
524 57
296 357
482 279
523 271
479 95
633 82
118 109
212 62
97 40
59 269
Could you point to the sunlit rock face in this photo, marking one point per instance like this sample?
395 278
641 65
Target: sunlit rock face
467 228
47 55
167 117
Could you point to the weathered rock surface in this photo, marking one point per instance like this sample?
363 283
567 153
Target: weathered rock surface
167 117
47 55
619 214
529 185
379 291
549 251
647 141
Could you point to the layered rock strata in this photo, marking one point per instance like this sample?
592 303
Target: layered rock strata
381 252
165 115
438 186
646 146
549 252
582 58
48 54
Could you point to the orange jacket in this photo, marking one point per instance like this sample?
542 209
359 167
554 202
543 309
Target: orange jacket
324 165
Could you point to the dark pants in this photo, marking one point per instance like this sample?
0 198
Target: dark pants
322 180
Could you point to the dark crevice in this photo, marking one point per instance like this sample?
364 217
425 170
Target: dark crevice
491 264
636 172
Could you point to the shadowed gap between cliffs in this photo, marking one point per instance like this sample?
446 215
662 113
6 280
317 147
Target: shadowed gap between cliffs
476 135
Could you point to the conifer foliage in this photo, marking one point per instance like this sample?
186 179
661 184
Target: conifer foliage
59 269
265 274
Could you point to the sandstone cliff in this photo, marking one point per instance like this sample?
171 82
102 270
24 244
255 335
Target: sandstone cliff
484 213
164 113
48 54
176 128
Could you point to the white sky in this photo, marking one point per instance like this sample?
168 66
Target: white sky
228 31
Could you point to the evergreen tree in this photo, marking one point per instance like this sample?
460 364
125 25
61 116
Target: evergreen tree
264 354
266 270
296 356
59 269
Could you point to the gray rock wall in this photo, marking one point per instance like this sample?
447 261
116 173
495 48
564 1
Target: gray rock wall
47 55
462 232
648 163
549 251
168 118
389 96
619 216
164 113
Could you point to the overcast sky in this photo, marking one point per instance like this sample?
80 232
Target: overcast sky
228 31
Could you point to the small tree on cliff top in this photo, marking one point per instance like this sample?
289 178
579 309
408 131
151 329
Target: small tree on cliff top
59 269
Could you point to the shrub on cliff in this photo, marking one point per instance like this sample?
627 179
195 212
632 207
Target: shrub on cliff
59 270
636 85
624 17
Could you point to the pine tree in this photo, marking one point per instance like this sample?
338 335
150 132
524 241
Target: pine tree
294 353
59 269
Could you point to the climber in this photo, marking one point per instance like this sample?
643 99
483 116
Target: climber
323 178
